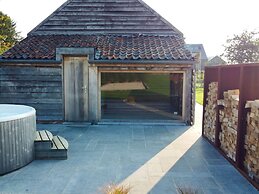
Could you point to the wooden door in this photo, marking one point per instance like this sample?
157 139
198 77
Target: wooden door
76 89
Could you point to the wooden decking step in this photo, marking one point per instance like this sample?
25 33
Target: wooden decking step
43 135
57 149
43 140
48 146
59 143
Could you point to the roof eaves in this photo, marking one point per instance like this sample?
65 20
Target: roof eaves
29 61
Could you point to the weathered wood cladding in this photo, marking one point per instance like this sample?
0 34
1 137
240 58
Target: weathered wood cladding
142 67
39 87
76 89
193 98
188 97
96 16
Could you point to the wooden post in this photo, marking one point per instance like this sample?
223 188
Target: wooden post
187 97
93 94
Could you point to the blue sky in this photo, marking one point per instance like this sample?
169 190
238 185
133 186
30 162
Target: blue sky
202 21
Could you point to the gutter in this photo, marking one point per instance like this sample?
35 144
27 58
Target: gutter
92 61
31 61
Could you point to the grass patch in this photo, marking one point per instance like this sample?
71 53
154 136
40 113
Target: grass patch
158 84
199 95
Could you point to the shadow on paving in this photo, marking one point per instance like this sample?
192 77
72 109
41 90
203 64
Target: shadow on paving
203 170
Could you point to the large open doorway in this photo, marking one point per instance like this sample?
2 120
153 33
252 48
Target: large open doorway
142 96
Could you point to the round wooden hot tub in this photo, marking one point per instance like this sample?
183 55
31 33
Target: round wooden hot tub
17 134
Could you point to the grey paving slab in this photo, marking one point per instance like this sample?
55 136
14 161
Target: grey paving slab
103 154
213 191
164 186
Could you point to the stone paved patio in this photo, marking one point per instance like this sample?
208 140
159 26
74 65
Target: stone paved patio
154 159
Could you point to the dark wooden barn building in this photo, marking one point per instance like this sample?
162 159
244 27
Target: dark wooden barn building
94 60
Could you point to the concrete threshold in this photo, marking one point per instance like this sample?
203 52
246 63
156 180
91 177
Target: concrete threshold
142 122
77 124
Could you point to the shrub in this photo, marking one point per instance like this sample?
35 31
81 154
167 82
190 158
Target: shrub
186 190
116 189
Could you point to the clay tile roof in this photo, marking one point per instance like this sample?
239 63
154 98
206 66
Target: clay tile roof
44 47
107 47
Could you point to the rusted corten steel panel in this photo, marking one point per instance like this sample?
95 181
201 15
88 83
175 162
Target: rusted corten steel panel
249 90
229 79
244 77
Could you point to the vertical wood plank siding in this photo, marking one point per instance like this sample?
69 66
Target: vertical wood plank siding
39 87
187 103
76 88
16 143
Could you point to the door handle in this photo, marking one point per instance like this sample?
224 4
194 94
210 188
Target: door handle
84 88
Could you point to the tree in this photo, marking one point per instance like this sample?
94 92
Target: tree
8 34
242 48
